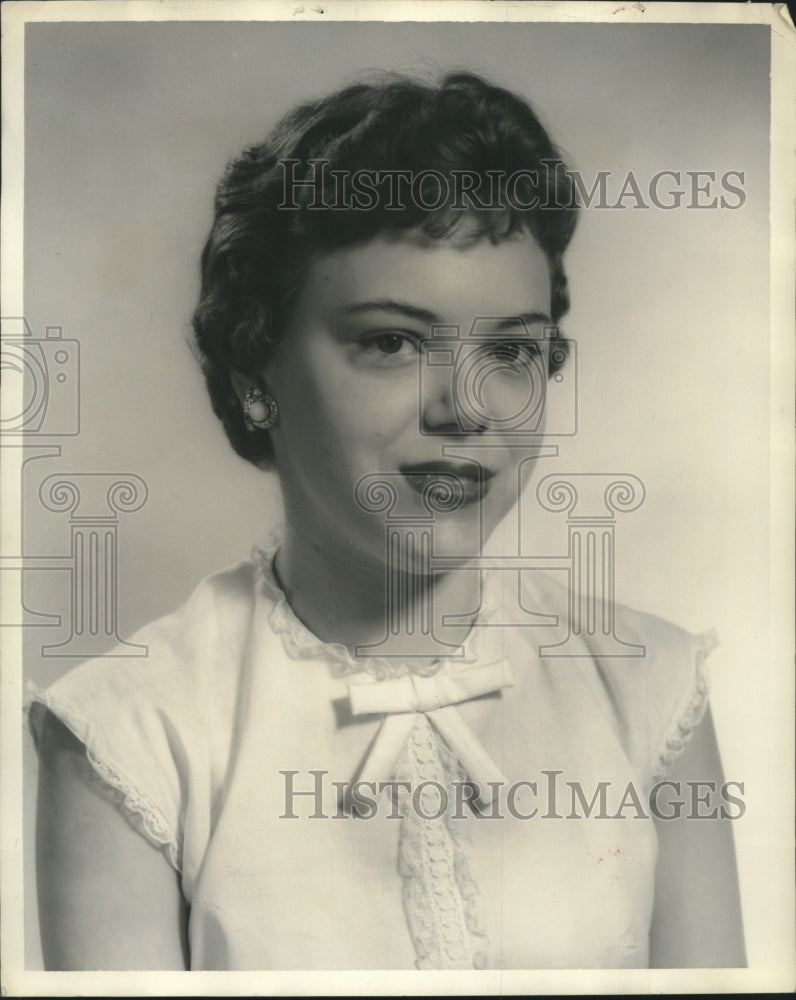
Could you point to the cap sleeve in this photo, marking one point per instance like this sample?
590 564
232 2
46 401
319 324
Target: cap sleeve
682 711
158 729
121 712
656 699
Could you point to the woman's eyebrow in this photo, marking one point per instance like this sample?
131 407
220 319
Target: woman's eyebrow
519 319
498 323
391 305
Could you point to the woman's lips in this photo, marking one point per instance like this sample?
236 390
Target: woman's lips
467 483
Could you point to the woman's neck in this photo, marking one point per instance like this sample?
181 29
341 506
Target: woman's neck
345 597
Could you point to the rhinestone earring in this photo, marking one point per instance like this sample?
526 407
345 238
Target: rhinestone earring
259 409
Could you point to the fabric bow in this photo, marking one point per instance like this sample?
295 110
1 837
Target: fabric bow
401 698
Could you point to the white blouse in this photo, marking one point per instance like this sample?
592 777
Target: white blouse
233 745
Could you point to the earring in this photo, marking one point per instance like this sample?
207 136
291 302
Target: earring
259 409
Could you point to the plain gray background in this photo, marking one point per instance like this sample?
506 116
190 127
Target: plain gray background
128 127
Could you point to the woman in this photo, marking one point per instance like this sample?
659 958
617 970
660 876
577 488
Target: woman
344 753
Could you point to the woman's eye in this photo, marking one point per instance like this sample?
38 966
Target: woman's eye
515 350
506 350
390 346
390 343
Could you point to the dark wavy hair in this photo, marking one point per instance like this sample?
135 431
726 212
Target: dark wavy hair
257 253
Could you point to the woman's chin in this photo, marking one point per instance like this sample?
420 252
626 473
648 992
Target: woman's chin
423 549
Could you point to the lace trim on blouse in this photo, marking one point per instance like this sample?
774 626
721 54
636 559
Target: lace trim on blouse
439 894
690 711
139 810
301 643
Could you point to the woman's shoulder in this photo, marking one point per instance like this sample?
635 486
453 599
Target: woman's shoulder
609 629
158 722
185 640
216 610
647 673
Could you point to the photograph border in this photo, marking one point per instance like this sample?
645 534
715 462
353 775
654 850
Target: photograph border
778 973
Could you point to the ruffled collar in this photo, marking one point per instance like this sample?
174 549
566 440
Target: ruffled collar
301 643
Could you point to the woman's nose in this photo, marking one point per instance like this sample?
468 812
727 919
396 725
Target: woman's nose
437 412
441 411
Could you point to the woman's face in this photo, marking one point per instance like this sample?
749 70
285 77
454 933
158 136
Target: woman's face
358 393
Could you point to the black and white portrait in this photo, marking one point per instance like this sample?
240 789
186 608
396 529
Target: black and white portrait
393 435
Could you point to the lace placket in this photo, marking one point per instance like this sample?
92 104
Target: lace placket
438 892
